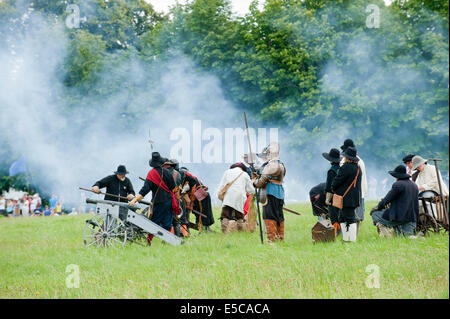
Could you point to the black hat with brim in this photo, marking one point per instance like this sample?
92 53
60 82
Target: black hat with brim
157 160
351 153
333 156
121 170
175 164
400 172
408 158
347 143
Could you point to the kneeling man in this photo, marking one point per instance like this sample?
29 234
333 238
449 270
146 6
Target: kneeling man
403 212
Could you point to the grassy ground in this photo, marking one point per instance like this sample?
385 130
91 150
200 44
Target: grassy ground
35 253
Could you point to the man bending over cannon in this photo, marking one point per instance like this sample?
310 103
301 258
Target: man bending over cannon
117 184
161 183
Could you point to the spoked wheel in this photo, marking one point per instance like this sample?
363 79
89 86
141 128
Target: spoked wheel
105 231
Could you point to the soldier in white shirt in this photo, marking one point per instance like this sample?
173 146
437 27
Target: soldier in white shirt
427 178
235 197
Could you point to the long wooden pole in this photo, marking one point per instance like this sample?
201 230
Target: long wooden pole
439 179
291 211
253 170
117 196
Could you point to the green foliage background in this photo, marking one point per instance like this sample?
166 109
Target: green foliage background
309 66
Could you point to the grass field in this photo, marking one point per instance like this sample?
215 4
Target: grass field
35 253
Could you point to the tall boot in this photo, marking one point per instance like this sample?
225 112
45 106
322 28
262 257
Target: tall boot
232 226
345 234
271 229
280 231
352 232
224 225
241 225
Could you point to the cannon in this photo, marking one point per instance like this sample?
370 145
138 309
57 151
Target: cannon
116 223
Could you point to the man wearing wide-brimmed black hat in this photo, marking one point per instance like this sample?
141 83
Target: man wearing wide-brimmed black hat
173 166
403 213
160 182
347 183
334 157
117 184
360 210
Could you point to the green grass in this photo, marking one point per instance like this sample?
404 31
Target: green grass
34 254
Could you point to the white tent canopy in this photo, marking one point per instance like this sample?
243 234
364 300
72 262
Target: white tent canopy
14 194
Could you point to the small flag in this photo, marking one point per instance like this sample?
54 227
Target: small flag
17 167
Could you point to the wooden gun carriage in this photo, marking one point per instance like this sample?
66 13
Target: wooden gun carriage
117 223
433 212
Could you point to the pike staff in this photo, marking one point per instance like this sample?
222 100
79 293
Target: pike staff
254 171
435 160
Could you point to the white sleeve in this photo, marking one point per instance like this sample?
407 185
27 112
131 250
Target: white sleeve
364 186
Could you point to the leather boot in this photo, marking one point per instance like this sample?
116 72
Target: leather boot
232 226
271 228
224 225
280 231
241 225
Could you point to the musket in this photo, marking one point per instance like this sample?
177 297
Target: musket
117 196
253 170
291 211
193 210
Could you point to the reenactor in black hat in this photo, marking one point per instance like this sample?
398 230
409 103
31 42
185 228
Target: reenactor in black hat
117 184
399 209
334 157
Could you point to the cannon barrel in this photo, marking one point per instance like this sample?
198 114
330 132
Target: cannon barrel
112 203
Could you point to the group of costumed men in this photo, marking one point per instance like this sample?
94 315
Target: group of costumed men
396 214
176 194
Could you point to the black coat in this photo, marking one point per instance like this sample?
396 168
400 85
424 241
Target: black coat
331 174
159 194
116 187
404 201
317 198
191 180
345 176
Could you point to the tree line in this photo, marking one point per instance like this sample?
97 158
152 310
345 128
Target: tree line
312 66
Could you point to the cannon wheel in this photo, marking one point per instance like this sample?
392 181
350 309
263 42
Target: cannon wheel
105 231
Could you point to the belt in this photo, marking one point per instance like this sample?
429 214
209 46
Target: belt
275 181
